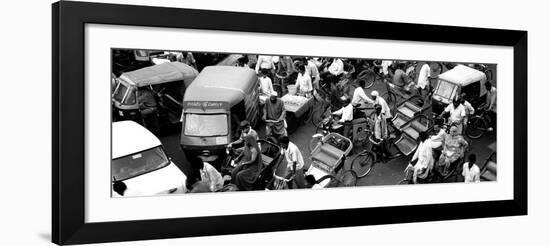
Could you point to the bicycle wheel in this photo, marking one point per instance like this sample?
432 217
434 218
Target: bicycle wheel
313 143
390 98
362 163
368 76
476 127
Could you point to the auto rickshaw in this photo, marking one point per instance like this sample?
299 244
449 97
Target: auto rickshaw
159 89
213 107
460 79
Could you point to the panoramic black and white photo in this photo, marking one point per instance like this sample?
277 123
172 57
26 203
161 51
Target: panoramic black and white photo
194 122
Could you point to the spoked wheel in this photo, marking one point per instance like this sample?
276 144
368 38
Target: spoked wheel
391 99
476 127
363 163
368 76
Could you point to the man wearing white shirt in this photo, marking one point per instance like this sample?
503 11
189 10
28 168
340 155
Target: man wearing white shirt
491 102
313 72
266 86
265 62
346 116
423 82
470 170
457 114
303 82
294 160
380 101
359 96
336 68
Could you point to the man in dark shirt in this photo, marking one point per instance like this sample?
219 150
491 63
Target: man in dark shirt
274 116
400 77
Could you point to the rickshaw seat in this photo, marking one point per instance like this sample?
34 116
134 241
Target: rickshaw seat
327 154
266 160
408 109
406 144
414 128
490 172
399 120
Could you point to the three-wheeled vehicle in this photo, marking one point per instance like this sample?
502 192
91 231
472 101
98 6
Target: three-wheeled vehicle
460 79
328 157
159 89
213 107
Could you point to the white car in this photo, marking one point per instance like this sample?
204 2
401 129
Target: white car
139 164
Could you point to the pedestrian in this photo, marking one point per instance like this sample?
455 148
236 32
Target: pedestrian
491 102
274 116
247 170
380 101
265 62
400 77
266 86
294 160
312 71
148 109
380 131
303 82
423 83
470 170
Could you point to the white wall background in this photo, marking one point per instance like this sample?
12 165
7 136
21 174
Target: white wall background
26 115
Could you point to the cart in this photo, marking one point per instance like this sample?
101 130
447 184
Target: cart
329 157
297 107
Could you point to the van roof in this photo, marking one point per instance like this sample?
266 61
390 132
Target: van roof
463 75
161 73
221 83
129 137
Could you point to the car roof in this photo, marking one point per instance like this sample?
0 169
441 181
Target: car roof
129 137
463 75
221 83
161 73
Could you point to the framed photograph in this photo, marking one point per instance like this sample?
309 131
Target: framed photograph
175 122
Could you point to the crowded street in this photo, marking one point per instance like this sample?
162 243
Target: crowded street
395 142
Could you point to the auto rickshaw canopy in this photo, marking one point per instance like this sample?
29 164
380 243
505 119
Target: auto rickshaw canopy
161 73
222 84
463 75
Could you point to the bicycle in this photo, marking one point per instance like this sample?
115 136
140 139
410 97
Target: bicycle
479 124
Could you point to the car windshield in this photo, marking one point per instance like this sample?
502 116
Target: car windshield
139 163
120 90
205 125
445 89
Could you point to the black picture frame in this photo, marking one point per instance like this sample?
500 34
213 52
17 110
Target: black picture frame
68 90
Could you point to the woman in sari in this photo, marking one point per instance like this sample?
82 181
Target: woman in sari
454 147
245 173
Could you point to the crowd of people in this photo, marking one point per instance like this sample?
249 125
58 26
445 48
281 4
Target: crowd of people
437 152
